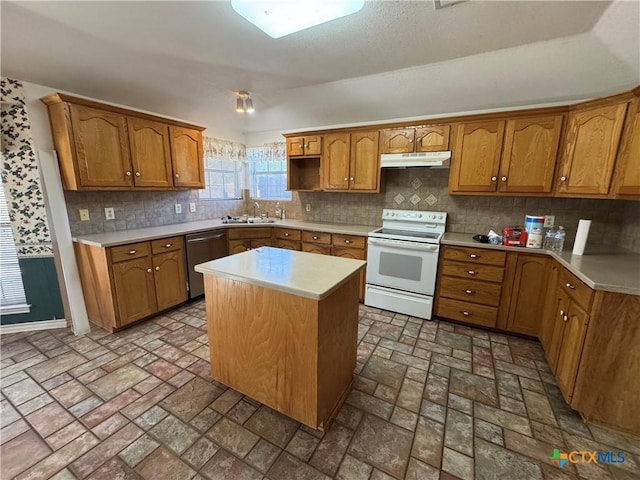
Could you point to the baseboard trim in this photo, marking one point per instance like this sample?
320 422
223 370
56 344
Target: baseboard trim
33 326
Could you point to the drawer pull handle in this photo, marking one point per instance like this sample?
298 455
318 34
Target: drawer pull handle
469 292
347 241
465 313
315 238
570 286
149 270
157 268
472 272
473 255
132 252
168 245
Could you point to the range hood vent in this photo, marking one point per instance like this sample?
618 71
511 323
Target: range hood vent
421 159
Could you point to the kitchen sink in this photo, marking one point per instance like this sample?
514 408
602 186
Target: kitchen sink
246 219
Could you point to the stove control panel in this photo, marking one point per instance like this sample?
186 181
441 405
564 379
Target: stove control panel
414 216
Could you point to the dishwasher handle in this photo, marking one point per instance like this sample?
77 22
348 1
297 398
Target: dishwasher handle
205 238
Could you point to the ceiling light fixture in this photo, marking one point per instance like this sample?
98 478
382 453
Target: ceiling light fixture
244 104
283 17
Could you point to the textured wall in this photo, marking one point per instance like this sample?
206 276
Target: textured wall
614 221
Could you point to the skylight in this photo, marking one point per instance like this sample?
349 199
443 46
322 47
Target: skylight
283 17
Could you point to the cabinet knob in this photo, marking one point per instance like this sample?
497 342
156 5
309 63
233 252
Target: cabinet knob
469 292
568 285
137 174
504 179
465 313
149 270
168 245
563 179
177 175
562 313
472 272
411 140
287 234
132 252
565 318
493 179
346 179
315 238
473 255
351 179
347 241
128 174
157 268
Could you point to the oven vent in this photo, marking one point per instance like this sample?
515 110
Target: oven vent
421 159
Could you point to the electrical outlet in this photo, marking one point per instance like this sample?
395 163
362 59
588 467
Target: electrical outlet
84 214
192 207
109 214
549 221
307 207
178 208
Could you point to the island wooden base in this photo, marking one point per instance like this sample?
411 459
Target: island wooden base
294 354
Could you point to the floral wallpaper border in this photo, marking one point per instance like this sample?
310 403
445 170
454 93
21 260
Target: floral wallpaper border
20 175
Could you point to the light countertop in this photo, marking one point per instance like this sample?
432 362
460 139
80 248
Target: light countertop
112 239
602 267
305 274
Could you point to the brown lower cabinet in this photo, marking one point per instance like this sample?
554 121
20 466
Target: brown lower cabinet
127 283
247 238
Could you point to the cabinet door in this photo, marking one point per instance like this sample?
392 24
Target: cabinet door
590 151
528 294
549 309
315 248
356 254
102 147
135 289
571 351
628 166
260 242
150 153
432 138
295 146
477 147
560 312
397 140
529 155
364 170
313 145
187 157
169 277
335 162
239 246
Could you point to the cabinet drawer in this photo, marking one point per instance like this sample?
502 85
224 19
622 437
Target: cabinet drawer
577 289
347 252
127 252
475 255
468 270
467 312
288 244
315 248
351 241
166 245
286 233
470 290
248 232
316 237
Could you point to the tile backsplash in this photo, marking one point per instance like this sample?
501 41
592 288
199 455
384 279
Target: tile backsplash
614 221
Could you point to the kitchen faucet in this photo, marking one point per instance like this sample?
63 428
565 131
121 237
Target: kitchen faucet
256 206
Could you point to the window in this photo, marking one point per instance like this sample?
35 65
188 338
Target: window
222 169
268 172
12 296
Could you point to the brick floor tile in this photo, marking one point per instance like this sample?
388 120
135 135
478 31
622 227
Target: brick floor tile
263 455
21 452
49 419
164 464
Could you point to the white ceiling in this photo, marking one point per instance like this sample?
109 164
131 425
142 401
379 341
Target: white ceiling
393 59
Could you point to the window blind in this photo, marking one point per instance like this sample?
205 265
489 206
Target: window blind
12 296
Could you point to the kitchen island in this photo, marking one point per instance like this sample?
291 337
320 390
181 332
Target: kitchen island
283 328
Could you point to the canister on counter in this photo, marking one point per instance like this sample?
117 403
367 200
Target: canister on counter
533 221
534 239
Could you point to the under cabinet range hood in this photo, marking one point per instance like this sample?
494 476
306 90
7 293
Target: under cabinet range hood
421 159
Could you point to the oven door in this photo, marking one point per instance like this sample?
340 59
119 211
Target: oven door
402 265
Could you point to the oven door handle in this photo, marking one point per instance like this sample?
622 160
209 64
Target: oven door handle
421 247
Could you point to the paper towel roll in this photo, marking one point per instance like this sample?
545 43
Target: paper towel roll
581 236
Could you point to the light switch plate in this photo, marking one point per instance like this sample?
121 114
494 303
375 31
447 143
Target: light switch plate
308 207
109 213
178 208
192 207
84 214
549 221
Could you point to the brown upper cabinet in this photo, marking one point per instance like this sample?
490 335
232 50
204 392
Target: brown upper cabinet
351 162
429 138
513 156
627 182
475 156
306 146
102 147
590 149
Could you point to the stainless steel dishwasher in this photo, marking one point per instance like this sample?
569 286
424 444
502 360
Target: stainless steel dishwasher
202 247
